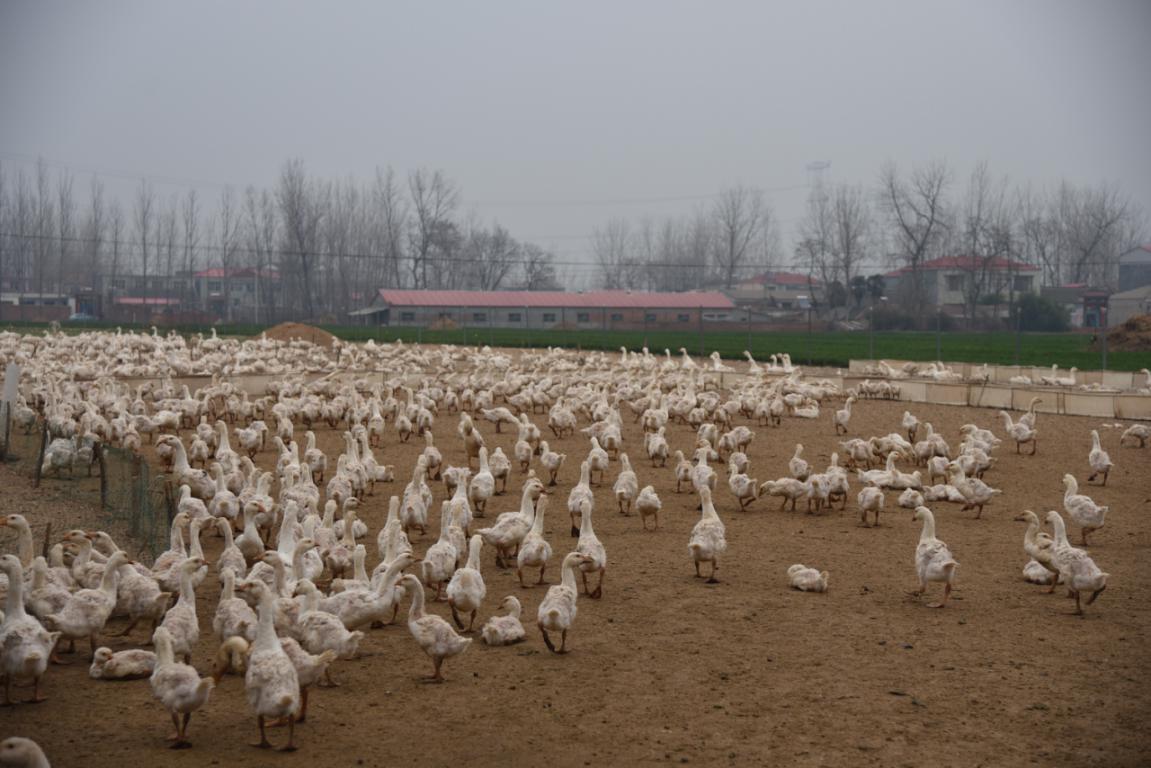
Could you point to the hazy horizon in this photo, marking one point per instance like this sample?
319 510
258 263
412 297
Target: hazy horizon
554 119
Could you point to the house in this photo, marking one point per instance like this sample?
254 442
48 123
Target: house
946 280
1081 301
231 293
1135 268
778 290
1126 304
616 310
208 291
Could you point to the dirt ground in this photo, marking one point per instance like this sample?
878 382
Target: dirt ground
667 669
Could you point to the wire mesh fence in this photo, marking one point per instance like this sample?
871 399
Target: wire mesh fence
130 499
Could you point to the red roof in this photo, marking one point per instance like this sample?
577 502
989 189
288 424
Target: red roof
149 300
968 263
557 299
219 272
784 278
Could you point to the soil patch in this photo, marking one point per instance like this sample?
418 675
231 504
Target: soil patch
668 670
289 331
1132 336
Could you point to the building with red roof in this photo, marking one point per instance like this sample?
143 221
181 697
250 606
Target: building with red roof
949 281
778 290
548 309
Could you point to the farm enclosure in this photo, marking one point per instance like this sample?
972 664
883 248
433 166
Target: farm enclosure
667 669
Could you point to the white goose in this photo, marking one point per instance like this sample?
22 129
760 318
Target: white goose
1020 433
933 559
590 545
86 611
558 609
534 549
178 687
440 560
505 630
466 590
25 646
1083 510
579 493
434 635
271 682
708 537
1098 459
1078 571
483 485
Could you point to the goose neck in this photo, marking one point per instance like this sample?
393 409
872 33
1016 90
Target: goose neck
569 573
416 611
928 532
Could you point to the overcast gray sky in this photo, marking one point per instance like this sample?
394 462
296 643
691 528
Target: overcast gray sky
555 117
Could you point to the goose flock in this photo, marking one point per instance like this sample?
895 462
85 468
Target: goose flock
291 564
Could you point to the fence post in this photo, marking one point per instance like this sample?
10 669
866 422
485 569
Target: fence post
7 430
701 350
103 476
135 498
40 457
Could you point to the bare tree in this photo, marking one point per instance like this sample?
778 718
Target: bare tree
490 257
434 200
917 210
339 236
815 249
5 230
45 223
227 243
698 241
741 218
66 227
851 231
1041 233
190 214
23 227
94 229
390 219
169 242
262 226
142 219
614 253
539 272
301 213
116 236
984 238
1099 224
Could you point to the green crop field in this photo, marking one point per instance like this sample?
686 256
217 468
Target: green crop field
820 348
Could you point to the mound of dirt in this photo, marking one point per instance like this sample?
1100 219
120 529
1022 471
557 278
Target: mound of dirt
289 331
443 324
1132 336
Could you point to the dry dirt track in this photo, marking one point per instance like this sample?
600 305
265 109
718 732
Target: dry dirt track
666 669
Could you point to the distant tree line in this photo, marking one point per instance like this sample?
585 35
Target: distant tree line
331 243
1072 233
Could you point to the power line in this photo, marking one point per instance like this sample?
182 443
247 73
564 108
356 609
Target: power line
288 253
626 200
